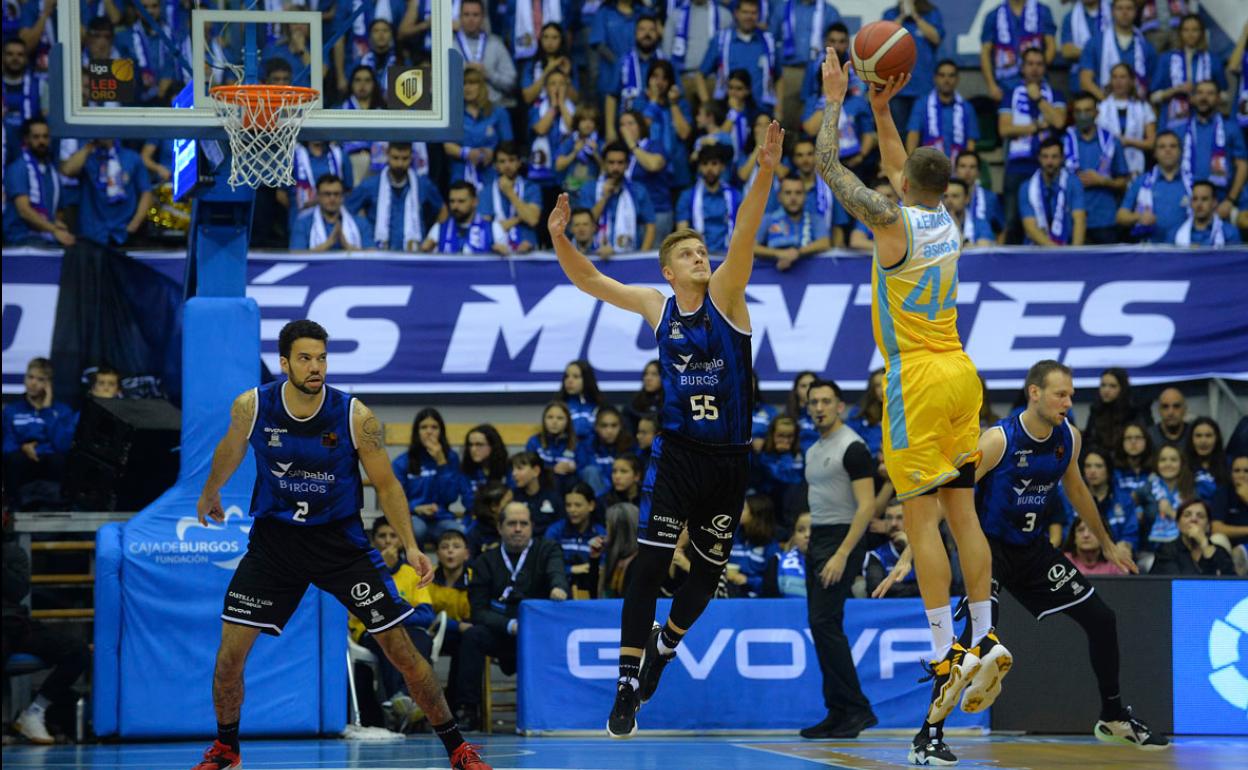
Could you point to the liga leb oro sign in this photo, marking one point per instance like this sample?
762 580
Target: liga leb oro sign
110 80
409 89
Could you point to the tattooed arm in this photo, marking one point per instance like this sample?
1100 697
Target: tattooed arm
229 454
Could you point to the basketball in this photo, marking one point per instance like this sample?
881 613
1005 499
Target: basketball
883 49
123 70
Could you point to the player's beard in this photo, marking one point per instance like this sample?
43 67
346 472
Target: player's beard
302 387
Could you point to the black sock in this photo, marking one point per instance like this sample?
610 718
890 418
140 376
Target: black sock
228 734
449 733
1111 709
669 637
630 669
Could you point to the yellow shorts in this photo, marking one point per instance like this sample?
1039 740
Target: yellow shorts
931 421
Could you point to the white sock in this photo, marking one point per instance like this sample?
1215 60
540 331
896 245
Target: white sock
941 622
664 650
981 621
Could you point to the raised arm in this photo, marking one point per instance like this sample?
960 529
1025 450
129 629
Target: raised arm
584 276
230 451
892 150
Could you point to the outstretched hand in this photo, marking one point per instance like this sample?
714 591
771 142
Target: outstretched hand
773 147
882 95
1123 561
835 78
557 222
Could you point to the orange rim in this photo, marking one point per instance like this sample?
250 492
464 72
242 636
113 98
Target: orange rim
254 94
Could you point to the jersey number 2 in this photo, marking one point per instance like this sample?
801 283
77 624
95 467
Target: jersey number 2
924 297
301 511
703 407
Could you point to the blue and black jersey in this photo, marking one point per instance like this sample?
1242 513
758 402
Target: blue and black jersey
1013 496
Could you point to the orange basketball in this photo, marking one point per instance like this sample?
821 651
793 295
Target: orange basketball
883 49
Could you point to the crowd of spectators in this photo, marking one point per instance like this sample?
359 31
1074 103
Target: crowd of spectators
1124 127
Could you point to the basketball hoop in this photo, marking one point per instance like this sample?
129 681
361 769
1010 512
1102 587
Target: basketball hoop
262 123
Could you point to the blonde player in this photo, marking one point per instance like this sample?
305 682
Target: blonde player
932 393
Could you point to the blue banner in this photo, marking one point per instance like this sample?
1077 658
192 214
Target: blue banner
746 664
1210 670
429 324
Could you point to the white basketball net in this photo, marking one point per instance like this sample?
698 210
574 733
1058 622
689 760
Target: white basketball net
262 125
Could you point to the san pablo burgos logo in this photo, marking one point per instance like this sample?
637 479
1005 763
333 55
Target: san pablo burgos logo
1224 639
197 544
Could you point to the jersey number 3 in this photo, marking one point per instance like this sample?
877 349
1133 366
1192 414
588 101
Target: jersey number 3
925 297
703 407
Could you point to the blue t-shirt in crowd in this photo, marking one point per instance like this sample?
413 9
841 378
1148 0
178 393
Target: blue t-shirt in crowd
1090 59
107 206
484 130
17 182
1015 22
716 208
530 192
1204 135
782 231
748 55
794 50
1101 202
925 64
301 231
430 482
51 428
1074 200
641 203
1170 204
362 201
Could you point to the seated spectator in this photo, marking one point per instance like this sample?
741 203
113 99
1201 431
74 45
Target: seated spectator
1192 552
551 57
1083 22
1205 227
1168 489
754 546
649 398
32 188
1179 70
975 231
1128 117
780 465
861 237
1096 155
794 231
552 118
1032 113
647 429
429 473
881 561
818 199
1120 42
579 392
747 160
798 27
1213 149
533 486
327 227
1157 202
1009 32
311 161
855 131
578 159
104 383
670 119
1135 458
487 506
511 202
465 231
795 409
386 542
581 539
38 432
1111 410
485 54
1173 428
584 231
943 118
626 475
620 549
1118 510
485 462
1230 513
523 567
622 209
632 74
1207 458
449 593
595 458
485 125
983 203
742 47
786 572
67 655
399 202
648 166
116 191
1052 203
710 206
1083 550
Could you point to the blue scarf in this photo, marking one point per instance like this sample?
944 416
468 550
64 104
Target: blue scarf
479 238
1070 144
36 173
110 178
1013 37
680 42
1219 159
633 76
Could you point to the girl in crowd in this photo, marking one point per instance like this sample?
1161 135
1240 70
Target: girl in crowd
866 417
648 167
786 573
780 465
556 443
1206 457
595 458
534 488
485 461
1230 513
580 538
1112 410
626 474
1128 117
621 548
1118 510
1134 459
485 125
429 473
649 399
754 546
580 392
647 429
1082 549
1168 489
552 56
487 506
796 409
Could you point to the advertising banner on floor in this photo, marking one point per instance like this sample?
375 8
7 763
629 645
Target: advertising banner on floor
746 664
430 324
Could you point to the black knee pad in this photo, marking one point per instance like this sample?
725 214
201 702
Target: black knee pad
965 480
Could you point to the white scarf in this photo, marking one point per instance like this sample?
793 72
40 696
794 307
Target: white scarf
35 173
721 73
1035 195
1183 236
1025 146
697 204
935 130
1080 29
979 202
621 234
681 13
541 150
1202 69
1138 114
527 28
1008 50
1105 159
110 177
361 23
320 233
412 228
502 205
1110 58
305 178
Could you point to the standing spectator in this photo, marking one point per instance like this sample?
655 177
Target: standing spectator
841 473
1112 409
429 473
621 551
1118 510
555 444
1051 205
794 231
359 38
648 166
1134 459
37 434
1009 31
692 28
835 37
747 161
975 231
1083 550
881 561
485 462
633 74
311 161
983 203
485 54
327 227
780 464
855 130
32 187
534 488
1192 552
922 19
510 202
291 45
595 457
786 573
1173 427
649 398
1179 71
1205 227
1213 149
754 545
743 112
521 568
795 408
710 207
1125 115
798 25
623 209
1032 114
465 231
116 191
626 475
1168 489
577 159
1157 202
25 91
579 391
1086 19
819 199
528 21
1206 457
741 47
944 118
552 56
670 119
155 63
487 507
1096 156
580 539
485 125
398 202
1238 67
1230 513
551 119
1121 42
365 94
612 37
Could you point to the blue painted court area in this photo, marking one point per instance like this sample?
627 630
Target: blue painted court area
720 753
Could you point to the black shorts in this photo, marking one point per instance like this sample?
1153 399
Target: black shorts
282 560
1038 575
703 489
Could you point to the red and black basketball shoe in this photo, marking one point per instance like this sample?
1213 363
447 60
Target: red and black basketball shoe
219 757
466 758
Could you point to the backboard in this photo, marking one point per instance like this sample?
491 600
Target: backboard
113 84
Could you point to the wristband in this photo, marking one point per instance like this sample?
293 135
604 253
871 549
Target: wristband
463 153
